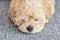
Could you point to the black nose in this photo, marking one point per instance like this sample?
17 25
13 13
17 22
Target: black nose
29 28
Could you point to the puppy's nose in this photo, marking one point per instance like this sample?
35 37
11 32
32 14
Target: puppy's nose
29 28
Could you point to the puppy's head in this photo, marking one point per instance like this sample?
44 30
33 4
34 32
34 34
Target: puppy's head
31 18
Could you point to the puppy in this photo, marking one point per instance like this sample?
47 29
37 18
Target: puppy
31 15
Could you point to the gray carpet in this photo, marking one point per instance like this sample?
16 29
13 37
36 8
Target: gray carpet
8 31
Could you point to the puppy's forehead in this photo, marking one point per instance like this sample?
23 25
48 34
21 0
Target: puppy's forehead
38 15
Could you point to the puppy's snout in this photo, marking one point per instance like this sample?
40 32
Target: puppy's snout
29 28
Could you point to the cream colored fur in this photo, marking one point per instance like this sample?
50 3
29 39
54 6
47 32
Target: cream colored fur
25 12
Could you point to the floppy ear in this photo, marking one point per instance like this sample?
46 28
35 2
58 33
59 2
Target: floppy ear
11 11
49 8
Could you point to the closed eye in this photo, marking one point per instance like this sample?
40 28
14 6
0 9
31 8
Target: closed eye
36 19
22 20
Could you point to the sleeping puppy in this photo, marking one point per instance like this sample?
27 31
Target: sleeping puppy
31 15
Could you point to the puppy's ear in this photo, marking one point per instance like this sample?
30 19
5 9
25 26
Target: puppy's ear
11 11
49 8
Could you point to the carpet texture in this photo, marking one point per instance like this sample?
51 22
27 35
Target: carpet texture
8 31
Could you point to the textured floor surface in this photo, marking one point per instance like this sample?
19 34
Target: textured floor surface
10 32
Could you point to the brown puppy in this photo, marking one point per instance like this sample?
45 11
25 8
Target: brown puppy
31 15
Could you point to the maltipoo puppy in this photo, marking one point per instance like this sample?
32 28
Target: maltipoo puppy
31 15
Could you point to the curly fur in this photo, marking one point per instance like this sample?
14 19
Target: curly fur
24 13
